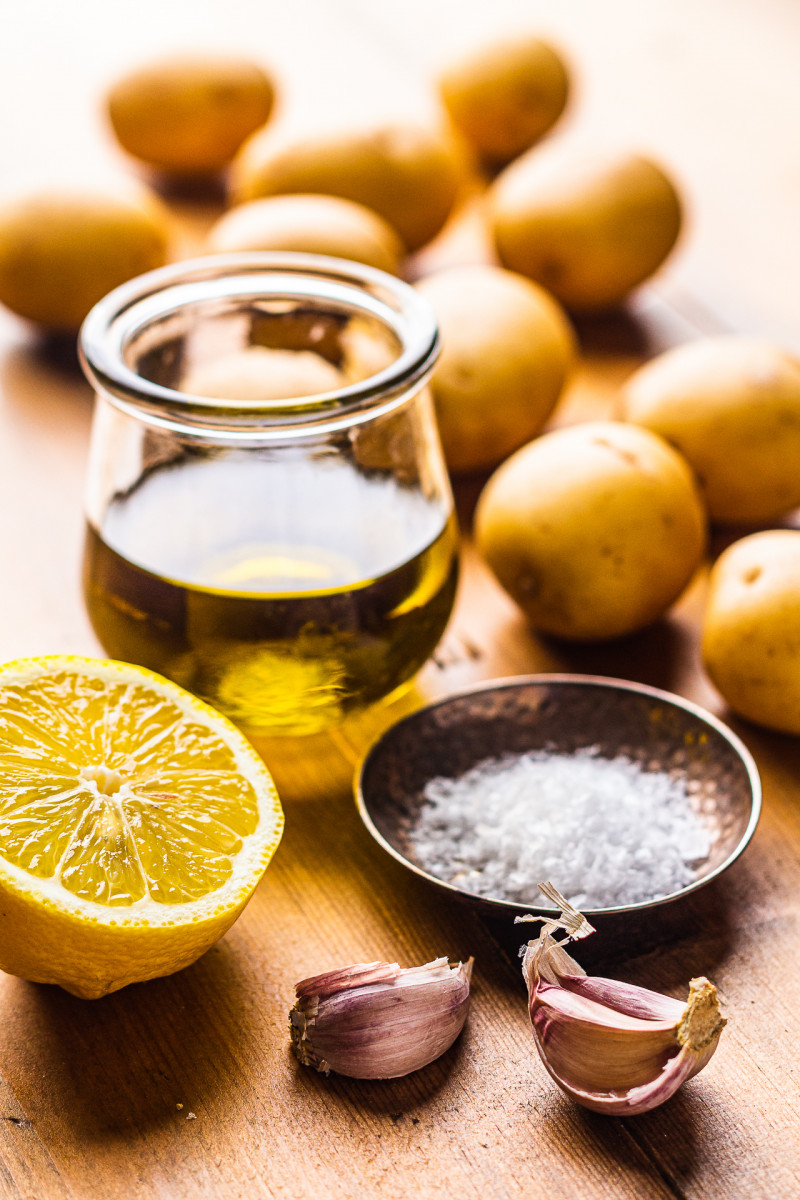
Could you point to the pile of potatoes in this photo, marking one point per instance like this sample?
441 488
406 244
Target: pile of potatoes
594 530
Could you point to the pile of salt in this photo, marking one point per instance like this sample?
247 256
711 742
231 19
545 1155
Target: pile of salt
608 831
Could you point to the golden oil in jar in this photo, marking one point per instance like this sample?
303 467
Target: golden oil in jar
287 593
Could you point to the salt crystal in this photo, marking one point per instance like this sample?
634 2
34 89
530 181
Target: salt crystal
605 830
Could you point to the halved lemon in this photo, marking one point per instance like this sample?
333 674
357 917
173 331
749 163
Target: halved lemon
135 822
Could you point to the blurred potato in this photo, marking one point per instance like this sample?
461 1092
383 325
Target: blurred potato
507 348
588 227
407 174
312 225
189 115
256 374
505 96
731 405
61 251
751 628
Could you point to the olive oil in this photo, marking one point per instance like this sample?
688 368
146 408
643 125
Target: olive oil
286 596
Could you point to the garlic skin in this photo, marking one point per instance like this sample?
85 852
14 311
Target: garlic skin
613 1047
379 1020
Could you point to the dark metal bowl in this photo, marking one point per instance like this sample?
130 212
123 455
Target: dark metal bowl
564 713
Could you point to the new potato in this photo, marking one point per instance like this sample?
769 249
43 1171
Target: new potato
312 225
594 530
731 405
505 96
751 631
408 174
589 227
190 114
507 349
261 373
61 251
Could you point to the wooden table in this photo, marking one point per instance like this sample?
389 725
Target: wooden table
185 1087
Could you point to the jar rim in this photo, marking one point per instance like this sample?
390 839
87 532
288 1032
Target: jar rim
130 309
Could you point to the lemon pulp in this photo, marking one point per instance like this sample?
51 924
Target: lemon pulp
126 805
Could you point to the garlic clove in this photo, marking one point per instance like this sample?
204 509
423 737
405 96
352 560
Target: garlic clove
357 975
625 997
614 1047
379 1020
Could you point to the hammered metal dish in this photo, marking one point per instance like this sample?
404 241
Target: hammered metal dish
563 713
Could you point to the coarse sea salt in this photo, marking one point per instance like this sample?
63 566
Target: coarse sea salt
604 830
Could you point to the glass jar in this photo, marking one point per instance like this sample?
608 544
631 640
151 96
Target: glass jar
269 517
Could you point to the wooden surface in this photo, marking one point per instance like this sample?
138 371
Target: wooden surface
185 1087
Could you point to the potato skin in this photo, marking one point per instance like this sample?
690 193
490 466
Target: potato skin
507 348
312 225
60 252
505 96
407 174
589 228
594 530
731 405
188 115
259 373
751 630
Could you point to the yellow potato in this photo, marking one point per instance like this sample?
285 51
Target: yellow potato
189 115
731 405
60 252
589 228
505 96
407 174
507 350
261 373
751 632
310 224
594 530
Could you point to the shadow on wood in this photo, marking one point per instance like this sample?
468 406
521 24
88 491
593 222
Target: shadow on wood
117 1066
612 332
653 656
44 373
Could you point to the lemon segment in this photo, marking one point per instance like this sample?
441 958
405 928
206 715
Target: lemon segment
135 822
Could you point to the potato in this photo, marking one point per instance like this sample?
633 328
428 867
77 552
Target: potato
731 405
60 252
312 225
594 530
261 373
751 631
407 174
505 96
588 228
189 115
507 350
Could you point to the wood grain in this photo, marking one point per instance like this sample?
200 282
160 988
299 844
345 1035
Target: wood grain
184 1088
